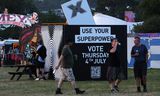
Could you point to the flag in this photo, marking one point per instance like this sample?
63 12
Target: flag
77 12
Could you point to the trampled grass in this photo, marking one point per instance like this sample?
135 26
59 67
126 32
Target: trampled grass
26 87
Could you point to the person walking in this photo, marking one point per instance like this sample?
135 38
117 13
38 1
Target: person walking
65 64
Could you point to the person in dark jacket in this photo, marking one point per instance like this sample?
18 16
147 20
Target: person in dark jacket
65 64
41 55
114 70
140 54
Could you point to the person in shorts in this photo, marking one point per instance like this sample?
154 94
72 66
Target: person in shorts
114 70
140 53
65 64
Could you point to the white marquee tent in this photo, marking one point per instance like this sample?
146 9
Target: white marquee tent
8 41
1 43
101 19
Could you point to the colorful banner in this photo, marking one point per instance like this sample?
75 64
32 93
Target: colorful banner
18 20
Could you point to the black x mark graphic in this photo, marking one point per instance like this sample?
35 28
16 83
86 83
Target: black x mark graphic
76 9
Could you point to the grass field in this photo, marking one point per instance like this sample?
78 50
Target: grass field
26 87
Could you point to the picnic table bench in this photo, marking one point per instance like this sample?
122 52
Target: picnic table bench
25 69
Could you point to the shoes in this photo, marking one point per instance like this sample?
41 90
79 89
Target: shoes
138 89
113 91
44 78
58 91
37 79
40 79
78 91
144 88
116 88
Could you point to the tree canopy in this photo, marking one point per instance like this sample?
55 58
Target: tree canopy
18 6
116 8
146 10
149 12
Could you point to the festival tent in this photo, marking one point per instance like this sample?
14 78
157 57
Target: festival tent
7 42
101 19
10 41
1 43
152 42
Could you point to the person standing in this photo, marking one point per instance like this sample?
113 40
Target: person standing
113 69
140 53
41 55
1 55
65 64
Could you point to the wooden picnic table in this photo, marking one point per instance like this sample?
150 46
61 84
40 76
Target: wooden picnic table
21 70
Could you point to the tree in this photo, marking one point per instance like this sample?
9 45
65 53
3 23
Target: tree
115 8
149 12
50 18
11 32
18 6
149 8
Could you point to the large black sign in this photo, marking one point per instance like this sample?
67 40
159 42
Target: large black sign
91 45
